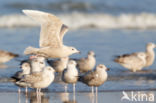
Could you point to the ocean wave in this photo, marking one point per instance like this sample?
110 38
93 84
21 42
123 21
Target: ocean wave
77 20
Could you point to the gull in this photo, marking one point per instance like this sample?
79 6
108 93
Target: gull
37 64
25 66
38 80
95 78
51 36
132 62
70 74
86 64
136 61
59 65
6 56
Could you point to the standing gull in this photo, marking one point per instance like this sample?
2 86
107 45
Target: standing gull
70 75
136 61
95 78
51 36
5 56
88 63
132 62
38 80
25 66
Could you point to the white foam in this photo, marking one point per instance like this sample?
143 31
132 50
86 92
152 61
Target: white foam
78 20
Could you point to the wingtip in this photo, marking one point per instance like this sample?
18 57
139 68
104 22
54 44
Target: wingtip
26 11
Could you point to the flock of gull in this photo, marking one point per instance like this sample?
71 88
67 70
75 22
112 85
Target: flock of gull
36 74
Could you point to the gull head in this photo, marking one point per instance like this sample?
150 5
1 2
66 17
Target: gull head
91 53
101 67
72 62
73 50
25 67
151 46
39 62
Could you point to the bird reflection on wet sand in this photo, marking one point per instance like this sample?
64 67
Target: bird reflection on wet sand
31 97
65 98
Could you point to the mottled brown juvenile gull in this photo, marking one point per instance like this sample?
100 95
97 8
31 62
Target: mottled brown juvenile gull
59 65
6 56
86 64
127 61
70 75
132 62
51 36
38 80
95 78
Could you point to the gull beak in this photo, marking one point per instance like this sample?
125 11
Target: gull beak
79 52
54 70
107 69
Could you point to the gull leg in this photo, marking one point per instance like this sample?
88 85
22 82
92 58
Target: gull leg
26 95
37 95
40 95
66 88
19 95
74 92
92 90
26 91
96 94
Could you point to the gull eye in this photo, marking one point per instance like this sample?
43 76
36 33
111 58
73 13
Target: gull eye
72 49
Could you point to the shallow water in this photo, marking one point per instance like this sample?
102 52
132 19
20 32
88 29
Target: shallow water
105 43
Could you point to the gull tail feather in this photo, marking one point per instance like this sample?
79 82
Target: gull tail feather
31 50
23 84
79 78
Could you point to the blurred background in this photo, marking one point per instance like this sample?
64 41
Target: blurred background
128 14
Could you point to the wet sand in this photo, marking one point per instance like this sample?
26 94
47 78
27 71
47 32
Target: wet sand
81 97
